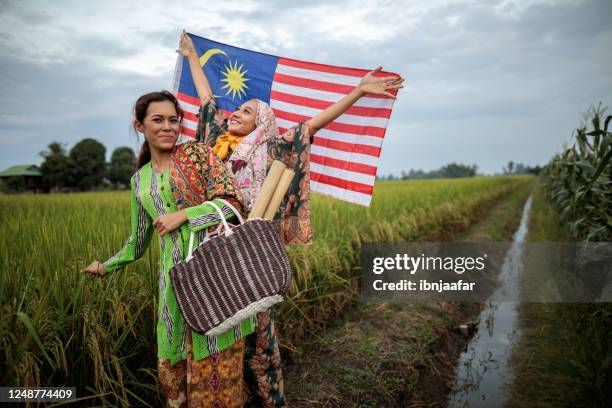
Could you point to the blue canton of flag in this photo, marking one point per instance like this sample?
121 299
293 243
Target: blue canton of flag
235 75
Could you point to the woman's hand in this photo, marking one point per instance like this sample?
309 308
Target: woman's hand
169 222
380 85
95 269
186 47
369 84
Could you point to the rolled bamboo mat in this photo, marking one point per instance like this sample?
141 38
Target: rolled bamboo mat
267 189
279 193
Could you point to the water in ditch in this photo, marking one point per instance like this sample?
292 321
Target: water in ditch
483 371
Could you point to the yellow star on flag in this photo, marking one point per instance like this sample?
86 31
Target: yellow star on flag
235 80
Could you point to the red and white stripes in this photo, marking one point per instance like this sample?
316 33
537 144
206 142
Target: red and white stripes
344 154
191 107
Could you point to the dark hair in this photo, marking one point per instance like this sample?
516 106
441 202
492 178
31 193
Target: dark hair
140 111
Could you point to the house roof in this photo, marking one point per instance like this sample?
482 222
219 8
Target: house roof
21 170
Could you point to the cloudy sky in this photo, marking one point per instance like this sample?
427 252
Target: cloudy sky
486 81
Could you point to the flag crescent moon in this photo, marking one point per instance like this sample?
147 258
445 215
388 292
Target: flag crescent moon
208 54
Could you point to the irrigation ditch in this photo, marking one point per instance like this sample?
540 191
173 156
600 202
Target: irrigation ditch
483 373
396 354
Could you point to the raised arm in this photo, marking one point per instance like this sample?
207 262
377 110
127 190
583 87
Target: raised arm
369 84
187 49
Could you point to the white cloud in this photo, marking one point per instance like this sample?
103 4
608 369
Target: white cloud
151 61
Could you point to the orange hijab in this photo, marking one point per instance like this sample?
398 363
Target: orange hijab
226 143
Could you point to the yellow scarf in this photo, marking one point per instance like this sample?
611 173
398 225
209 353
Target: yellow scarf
225 143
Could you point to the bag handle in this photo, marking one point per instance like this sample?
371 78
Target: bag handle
234 210
231 207
190 251
227 232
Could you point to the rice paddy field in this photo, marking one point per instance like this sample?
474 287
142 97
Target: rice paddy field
58 327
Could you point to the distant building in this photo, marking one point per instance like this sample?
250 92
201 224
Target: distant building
21 178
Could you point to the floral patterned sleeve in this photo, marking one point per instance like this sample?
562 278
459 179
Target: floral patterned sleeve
211 123
293 149
219 185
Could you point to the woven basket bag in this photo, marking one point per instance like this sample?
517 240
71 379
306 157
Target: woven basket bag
236 274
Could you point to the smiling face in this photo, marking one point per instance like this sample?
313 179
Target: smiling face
242 121
160 125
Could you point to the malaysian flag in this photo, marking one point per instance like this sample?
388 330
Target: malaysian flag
344 154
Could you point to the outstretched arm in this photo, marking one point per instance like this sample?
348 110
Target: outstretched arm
187 49
369 84
135 246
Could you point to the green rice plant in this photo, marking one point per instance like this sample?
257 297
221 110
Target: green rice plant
58 327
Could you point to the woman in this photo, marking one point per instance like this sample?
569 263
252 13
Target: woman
249 141
167 192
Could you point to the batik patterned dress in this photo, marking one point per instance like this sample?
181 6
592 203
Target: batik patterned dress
249 163
197 175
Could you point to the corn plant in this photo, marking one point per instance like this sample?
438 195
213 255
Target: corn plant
579 180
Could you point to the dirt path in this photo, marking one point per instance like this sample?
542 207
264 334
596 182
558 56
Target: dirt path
393 354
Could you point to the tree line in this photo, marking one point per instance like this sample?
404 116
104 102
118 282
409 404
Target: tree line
84 167
455 170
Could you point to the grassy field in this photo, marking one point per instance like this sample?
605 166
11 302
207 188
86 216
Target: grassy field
58 327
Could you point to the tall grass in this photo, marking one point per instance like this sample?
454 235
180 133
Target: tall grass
58 327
